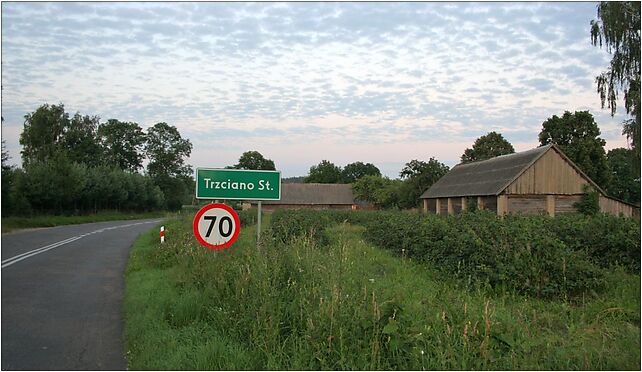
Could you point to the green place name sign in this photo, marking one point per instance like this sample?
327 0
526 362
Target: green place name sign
237 184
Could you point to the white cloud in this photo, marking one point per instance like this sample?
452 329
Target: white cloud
310 79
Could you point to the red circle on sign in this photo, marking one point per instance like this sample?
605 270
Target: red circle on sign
202 241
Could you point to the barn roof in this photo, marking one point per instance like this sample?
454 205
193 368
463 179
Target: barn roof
314 194
486 177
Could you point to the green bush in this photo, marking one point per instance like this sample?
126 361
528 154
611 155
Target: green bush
247 217
515 252
607 239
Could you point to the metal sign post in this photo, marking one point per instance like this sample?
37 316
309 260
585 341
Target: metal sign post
238 184
258 225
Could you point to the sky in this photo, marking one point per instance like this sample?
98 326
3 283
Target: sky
382 83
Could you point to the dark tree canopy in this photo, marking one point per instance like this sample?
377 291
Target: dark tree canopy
618 29
324 172
80 141
356 170
577 135
254 160
487 146
381 191
418 176
122 144
42 135
167 150
625 184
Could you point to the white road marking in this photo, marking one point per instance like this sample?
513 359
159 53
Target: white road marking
23 256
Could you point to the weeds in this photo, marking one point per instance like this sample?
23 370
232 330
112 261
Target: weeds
306 304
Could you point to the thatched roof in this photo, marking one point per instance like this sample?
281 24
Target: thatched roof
486 177
314 194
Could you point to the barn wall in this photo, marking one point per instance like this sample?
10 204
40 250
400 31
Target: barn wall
564 203
527 204
443 206
615 207
432 205
490 203
551 174
456 205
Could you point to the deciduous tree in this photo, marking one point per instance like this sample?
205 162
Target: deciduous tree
43 131
618 29
356 170
487 146
418 176
324 172
254 160
625 184
577 135
122 144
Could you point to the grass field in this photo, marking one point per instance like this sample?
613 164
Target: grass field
15 223
348 305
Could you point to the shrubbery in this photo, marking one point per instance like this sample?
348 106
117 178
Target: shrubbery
534 255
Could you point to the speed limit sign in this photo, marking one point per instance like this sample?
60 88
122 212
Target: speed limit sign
216 226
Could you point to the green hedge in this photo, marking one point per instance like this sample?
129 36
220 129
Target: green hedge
535 255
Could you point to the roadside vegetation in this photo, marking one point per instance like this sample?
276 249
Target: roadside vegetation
345 290
16 223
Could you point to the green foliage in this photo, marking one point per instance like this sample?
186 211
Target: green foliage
418 176
618 27
608 240
589 204
167 150
80 142
43 133
324 172
381 191
350 306
74 166
486 147
625 183
514 252
354 171
122 144
577 135
254 160
247 217
534 255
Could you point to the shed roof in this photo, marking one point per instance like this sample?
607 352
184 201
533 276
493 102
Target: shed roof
314 194
486 177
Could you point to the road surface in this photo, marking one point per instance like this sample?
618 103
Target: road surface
62 293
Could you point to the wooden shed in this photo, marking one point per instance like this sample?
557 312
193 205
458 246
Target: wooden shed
541 180
313 196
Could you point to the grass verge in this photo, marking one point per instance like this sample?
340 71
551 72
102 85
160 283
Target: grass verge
10 224
349 305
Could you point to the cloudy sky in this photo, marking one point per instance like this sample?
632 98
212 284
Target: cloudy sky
301 82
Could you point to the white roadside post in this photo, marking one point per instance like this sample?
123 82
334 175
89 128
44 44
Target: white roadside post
162 234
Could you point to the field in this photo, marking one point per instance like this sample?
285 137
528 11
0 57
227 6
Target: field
322 292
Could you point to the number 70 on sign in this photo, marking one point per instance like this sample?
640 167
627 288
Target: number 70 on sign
216 226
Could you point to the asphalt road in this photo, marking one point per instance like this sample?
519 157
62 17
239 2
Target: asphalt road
62 296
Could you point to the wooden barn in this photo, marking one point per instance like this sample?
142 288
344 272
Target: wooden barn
313 196
542 180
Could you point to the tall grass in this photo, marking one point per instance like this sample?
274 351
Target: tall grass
348 305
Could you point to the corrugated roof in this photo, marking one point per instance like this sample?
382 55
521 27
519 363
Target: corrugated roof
486 177
314 194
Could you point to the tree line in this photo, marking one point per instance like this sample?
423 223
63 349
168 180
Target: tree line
76 165
576 134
